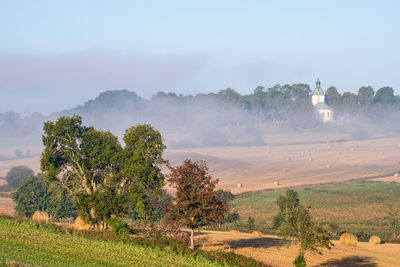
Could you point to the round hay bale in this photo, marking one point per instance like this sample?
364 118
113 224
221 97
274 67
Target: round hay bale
234 232
277 183
240 185
353 149
374 240
328 166
339 153
396 175
310 159
40 216
347 239
288 159
285 170
79 224
256 234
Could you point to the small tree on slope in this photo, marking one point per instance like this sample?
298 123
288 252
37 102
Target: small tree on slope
195 202
296 224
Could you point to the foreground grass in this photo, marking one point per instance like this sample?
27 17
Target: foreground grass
354 206
30 243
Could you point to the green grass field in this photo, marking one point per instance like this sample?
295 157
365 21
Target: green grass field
354 206
40 245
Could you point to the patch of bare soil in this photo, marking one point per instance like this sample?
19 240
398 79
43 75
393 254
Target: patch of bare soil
265 249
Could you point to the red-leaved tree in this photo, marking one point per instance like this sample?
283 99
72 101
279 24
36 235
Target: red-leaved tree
195 204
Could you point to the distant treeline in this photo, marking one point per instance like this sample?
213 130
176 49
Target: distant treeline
209 117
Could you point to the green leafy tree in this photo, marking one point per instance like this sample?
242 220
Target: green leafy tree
334 99
385 96
251 223
36 193
195 203
349 101
32 195
394 215
366 96
101 176
297 225
226 197
17 174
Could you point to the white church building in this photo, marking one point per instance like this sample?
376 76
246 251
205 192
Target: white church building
323 110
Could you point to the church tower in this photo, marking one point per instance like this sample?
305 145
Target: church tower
324 112
318 95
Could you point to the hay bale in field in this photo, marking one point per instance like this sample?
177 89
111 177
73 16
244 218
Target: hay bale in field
347 239
277 183
79 224
288 159
353 149
396 175
239 185
328 166
256 234
339 153
234 232
310 159
40 216
374 240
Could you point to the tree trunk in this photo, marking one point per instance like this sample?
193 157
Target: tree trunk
191 239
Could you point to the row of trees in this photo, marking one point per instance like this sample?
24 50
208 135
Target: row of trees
205 116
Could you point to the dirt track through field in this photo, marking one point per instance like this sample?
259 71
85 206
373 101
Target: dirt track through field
265 249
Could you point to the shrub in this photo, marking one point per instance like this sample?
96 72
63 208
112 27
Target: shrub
300 261
17 174
118 226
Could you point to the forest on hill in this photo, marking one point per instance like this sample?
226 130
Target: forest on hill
222 118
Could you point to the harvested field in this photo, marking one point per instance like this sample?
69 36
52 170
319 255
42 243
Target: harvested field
6 206
260 167
265 249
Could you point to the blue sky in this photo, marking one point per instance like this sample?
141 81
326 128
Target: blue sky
56 54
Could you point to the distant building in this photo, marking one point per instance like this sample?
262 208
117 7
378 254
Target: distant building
323 110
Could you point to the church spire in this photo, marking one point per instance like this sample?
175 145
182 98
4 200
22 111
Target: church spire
318 84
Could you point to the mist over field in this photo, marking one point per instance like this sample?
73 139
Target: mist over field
276 115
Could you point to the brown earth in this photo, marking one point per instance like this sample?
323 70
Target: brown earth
265 249
260 167
6 206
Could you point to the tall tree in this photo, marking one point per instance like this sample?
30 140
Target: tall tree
195 203
296 224
385 96
102 177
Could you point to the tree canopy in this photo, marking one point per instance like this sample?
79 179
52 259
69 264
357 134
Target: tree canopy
195 203
18 174
103 177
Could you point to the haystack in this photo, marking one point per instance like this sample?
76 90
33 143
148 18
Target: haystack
310 159
277 183
256 234
234 232
79 224
40 216
374 240
347 239
396 175
328 166
239 185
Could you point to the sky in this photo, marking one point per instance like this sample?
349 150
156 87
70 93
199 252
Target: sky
58 54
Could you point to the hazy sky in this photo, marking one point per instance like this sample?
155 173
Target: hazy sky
57 54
